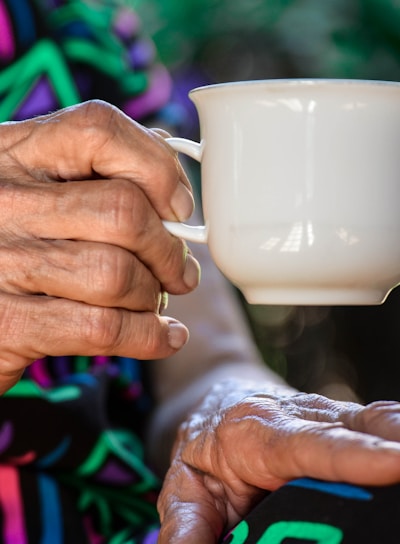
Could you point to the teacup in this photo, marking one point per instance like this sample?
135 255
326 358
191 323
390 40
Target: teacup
300 188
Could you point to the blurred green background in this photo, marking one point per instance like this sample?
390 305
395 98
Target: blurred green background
346 353
245 39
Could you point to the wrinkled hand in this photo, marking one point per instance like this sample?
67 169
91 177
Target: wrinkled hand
84 258
242 441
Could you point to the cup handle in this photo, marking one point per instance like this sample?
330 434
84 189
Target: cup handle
187 232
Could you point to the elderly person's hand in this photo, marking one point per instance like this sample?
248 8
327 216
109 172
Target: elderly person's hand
85 260
243 440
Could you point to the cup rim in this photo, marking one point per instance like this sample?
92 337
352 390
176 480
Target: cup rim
296 82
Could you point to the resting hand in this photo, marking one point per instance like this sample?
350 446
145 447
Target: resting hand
82 192
241 442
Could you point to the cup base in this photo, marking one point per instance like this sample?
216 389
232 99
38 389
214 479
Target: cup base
314 297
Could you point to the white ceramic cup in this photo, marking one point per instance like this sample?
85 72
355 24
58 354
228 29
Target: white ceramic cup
300 188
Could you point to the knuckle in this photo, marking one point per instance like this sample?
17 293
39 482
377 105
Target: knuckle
102 328
109 272
95 112
145 288
151 338
125 208
94 120
107 331
176 254
171 259
116 276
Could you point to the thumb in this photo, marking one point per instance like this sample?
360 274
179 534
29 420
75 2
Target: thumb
185 523
188 511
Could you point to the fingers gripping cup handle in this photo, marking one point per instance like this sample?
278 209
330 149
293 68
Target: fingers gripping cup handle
187 232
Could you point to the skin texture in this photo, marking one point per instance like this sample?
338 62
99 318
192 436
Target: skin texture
228 452
242 430
86 262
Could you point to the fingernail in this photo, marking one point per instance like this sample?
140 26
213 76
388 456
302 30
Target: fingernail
192 272
182 202
178 334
